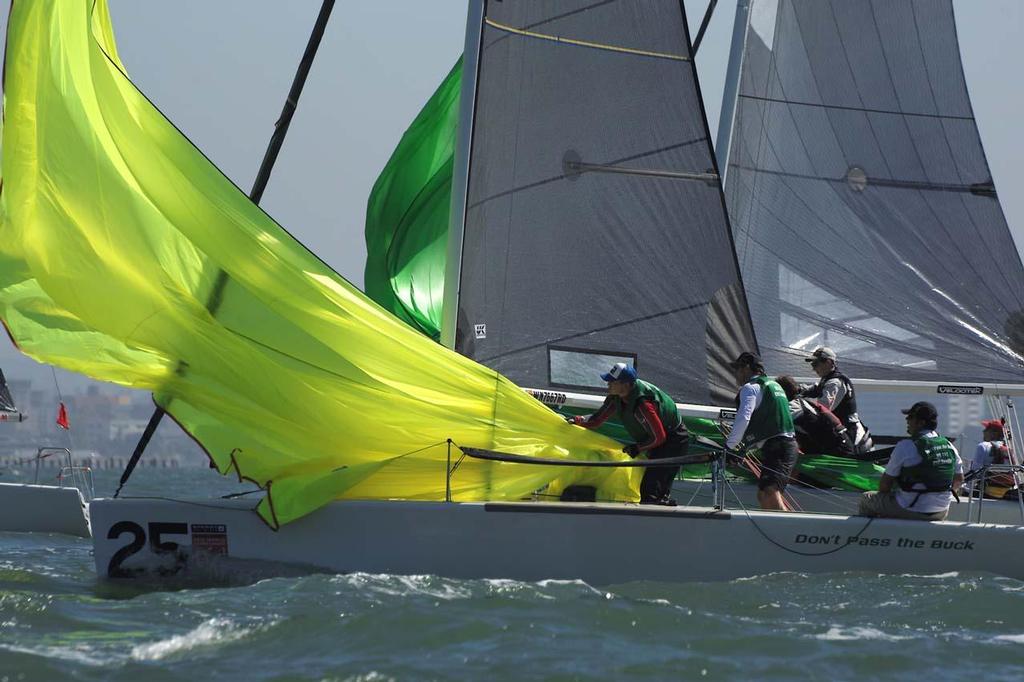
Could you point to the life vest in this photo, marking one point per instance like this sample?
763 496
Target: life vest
665 406
997 485
935 472
999 454
847 407
819 431
772 416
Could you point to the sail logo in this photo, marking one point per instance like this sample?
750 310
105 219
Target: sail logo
961 390
480 331
211 538
549 397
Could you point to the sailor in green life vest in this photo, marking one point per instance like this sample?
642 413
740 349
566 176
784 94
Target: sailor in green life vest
650 416
763 421
922 472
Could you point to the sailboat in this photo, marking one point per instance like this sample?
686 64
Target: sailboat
41 508
416 459
795 212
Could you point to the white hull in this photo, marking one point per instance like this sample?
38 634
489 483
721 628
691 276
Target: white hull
43 509
599 543
742 494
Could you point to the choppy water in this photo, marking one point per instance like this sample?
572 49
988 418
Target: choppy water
58 622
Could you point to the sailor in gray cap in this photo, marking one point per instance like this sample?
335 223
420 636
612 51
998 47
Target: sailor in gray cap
835 391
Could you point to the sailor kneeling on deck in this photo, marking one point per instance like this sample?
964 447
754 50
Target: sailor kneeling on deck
923 473
650 416
763 421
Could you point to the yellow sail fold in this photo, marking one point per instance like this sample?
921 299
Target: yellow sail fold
127 256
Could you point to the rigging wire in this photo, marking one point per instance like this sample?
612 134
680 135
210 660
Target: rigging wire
78 479
796 551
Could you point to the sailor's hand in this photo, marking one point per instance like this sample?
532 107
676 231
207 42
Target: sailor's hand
631 450
573 419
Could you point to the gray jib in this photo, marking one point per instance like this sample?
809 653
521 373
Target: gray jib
863 207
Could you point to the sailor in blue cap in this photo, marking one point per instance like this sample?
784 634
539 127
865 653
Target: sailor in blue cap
652 420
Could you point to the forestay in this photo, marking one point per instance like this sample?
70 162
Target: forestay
865 214
595 228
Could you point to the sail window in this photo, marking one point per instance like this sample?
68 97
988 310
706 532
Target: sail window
762 20
801 334
582 368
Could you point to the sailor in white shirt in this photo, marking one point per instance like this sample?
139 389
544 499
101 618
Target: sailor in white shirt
992 450
763 422
923 473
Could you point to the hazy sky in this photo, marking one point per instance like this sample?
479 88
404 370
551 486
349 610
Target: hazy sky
220 70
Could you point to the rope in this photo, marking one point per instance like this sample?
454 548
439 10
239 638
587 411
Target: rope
789 549
404 454
231 496
479 453
821 494
585 43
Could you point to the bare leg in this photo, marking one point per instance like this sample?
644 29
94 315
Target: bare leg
771 498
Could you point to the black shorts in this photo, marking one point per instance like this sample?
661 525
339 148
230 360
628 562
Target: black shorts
778 457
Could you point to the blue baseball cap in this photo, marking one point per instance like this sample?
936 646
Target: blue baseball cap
620 371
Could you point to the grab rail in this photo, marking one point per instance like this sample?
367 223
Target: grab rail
81 476
715 456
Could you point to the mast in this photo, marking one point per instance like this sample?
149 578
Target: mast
460 171
259 185
730 95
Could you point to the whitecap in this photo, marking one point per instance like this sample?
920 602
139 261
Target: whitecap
389 585
836 634
561 582
1017 639
505 586
934 576
211 631
76 654
772 574
372 676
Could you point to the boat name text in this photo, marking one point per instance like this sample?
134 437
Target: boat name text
899 543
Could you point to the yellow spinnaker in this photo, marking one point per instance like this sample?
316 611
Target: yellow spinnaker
114 230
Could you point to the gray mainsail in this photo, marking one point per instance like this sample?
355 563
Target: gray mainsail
595 227
864 212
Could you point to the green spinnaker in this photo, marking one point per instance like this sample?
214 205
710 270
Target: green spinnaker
407 214
115 229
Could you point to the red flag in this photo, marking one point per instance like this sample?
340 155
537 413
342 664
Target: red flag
62 417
